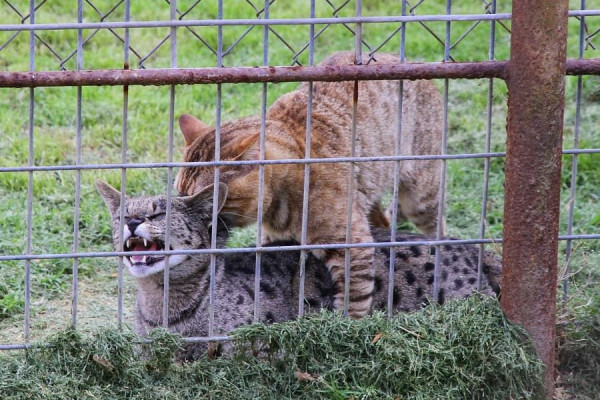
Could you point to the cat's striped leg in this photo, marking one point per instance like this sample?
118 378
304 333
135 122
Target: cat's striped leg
361 280
361 271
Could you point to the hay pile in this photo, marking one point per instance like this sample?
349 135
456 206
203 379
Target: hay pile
463 350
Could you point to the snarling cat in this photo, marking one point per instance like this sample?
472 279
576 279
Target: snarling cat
377 123
144 230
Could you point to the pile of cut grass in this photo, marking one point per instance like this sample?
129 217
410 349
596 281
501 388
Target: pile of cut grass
466 349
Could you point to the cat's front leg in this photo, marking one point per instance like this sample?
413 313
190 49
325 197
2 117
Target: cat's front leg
361 280
362 274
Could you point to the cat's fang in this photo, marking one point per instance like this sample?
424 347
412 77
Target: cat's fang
145 243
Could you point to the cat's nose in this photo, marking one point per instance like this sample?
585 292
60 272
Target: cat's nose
132 224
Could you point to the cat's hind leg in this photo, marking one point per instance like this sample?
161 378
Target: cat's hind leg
418 201
377 217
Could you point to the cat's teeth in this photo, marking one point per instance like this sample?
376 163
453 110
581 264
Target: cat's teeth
128 242
145 243
144 259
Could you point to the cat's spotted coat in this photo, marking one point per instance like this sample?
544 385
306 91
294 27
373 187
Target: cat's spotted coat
145 226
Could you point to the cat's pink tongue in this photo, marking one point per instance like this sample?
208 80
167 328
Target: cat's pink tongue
141 247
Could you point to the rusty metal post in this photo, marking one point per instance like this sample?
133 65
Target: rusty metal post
536 77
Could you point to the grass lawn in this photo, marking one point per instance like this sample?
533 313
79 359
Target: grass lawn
148 134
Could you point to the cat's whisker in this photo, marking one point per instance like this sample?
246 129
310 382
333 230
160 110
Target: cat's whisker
224 224
249 218
198 257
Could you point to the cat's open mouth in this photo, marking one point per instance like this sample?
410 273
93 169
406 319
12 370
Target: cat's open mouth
136 243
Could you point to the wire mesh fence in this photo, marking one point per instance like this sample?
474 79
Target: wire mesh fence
242 28
59 139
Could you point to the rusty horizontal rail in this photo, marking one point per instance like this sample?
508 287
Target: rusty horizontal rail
583 66
186 76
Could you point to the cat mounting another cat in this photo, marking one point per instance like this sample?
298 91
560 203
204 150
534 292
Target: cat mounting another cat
189 275
377 128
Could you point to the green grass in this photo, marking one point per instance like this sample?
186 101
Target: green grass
148 127
579 344
464 350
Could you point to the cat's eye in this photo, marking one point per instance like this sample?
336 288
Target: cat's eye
154 216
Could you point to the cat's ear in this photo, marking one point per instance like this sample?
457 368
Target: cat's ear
203 200
247 148
191 128
111 196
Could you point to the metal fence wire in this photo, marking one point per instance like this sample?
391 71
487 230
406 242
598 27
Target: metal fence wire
157 52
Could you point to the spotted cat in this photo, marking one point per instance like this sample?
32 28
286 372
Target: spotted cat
331 136
144 229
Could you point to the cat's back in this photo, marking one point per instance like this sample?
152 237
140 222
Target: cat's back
376 95
377 111
414 271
